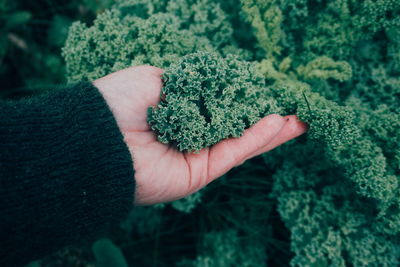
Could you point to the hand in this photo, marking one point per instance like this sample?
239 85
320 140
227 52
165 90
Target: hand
162 173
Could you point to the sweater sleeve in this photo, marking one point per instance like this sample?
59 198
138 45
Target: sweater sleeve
66 173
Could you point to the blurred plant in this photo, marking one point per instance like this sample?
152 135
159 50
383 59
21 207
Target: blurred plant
31 36
330 198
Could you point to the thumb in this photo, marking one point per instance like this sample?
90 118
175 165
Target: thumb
232 152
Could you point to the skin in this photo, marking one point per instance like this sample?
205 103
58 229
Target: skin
163 173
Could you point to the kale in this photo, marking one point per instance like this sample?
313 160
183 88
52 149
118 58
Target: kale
209 98
335 64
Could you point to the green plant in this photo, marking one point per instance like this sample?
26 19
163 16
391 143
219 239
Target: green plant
209 98
31 37
333 63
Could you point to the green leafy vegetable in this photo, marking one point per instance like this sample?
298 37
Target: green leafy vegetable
329 198
207 99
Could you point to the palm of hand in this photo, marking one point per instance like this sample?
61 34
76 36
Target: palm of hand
162 173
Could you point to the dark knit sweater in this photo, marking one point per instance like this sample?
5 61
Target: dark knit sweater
66 174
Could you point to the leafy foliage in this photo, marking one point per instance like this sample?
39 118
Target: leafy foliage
136 32
330 223
209 98
329 198
107 254
31 36
333 63
227 243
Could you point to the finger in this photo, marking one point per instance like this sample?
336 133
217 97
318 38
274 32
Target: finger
292 129
130 92
231 152
147 83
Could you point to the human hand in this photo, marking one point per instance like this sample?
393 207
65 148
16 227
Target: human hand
163 173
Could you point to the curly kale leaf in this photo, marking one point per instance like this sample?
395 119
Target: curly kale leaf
203 18
329 123
336 64
265 18
325 68
118 40
220 248
330 224
209 98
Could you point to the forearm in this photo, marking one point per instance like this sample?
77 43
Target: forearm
65 172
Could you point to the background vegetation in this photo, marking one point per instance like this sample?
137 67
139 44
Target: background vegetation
329 198
31 36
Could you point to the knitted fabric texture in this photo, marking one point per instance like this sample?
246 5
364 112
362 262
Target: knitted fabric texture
66 175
